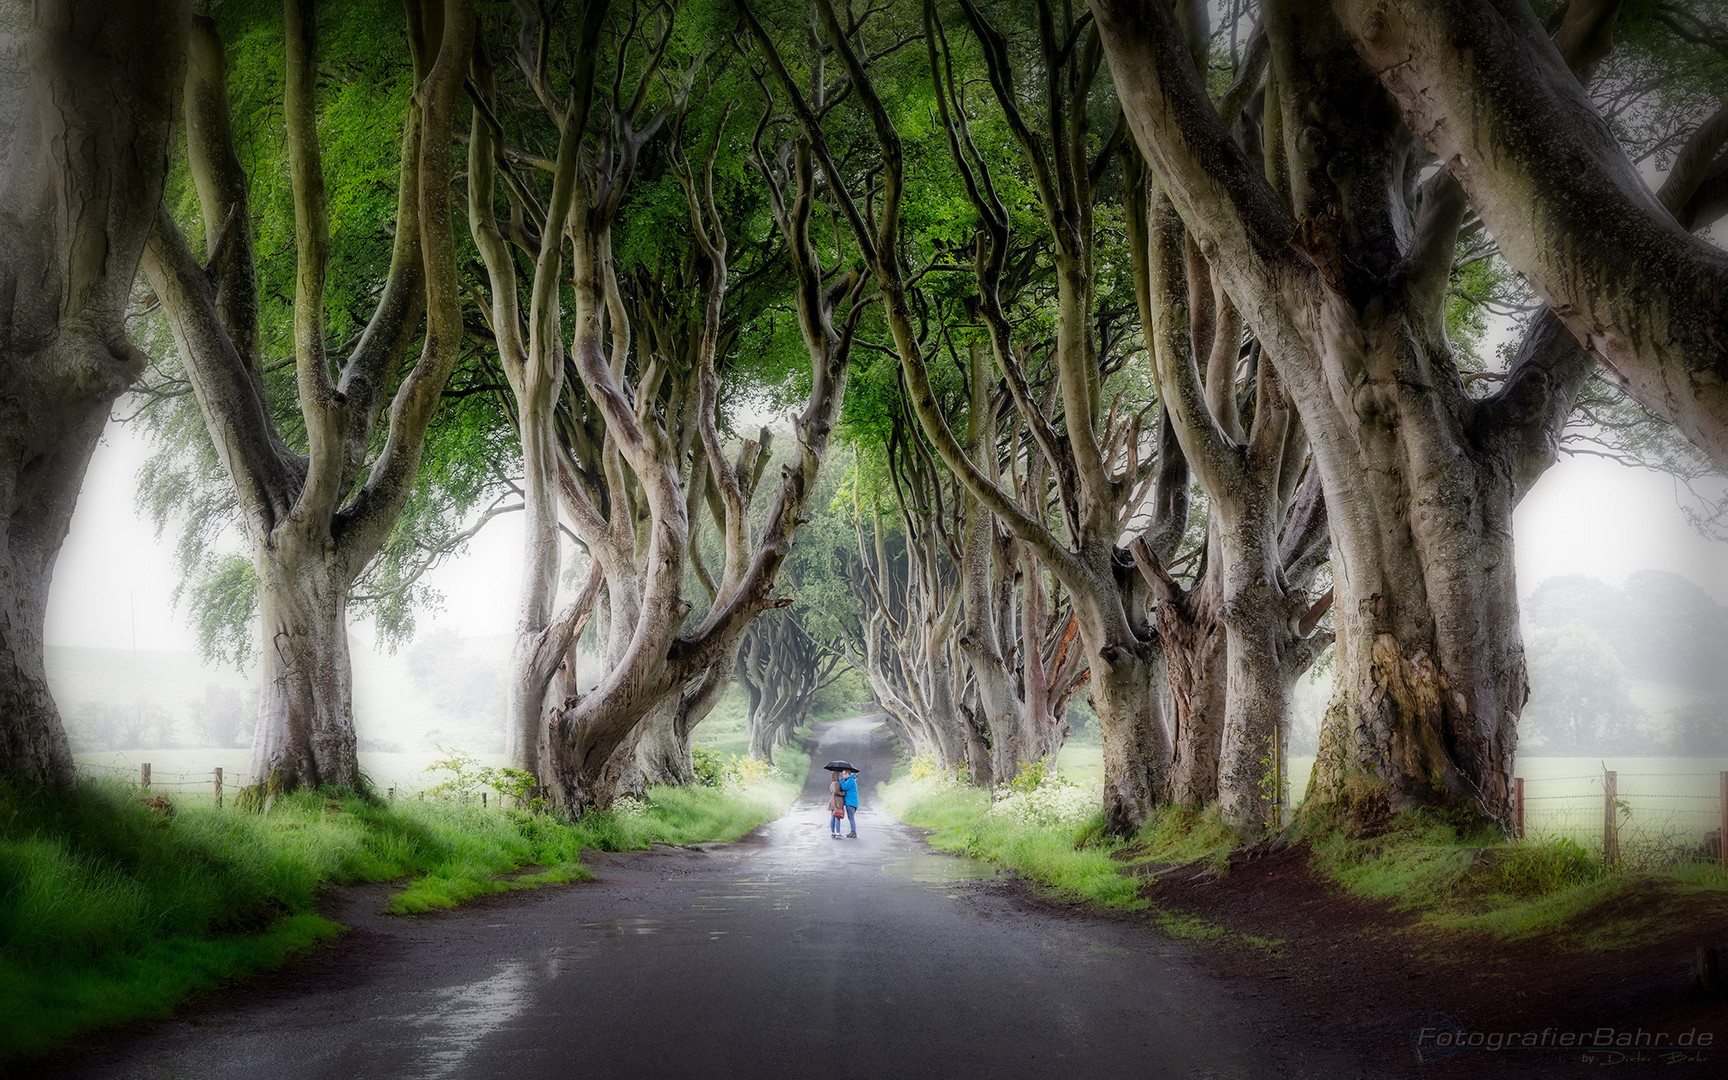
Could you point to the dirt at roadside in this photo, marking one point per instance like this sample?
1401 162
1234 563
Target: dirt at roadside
1371 977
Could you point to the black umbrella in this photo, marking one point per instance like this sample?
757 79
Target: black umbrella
836 766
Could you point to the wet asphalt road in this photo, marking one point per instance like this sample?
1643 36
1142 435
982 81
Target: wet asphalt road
786 955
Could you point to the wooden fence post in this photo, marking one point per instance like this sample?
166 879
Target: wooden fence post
144 776
218 787
1722 813
482 800
1518 807
1610 821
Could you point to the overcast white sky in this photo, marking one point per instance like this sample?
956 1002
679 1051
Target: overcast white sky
114 577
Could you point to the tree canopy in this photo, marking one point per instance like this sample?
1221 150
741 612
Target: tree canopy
1010 353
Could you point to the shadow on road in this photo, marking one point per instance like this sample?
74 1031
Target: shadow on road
786 955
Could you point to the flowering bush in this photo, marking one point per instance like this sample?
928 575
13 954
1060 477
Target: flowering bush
1055 803
924 767
1033 775
745 772
629 806
710 767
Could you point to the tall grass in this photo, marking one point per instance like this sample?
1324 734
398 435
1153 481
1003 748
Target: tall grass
111 910
1470 878
1450 877
1048 854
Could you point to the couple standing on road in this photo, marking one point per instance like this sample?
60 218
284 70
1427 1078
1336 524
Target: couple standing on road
843 799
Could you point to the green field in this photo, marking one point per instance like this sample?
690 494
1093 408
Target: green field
189 771
1665 805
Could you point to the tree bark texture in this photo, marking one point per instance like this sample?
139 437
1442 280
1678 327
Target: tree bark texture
1337 259
83 174
305 735
1494 99
316 520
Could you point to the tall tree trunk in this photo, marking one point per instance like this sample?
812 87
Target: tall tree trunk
1430 674
84 170
1136 746
305 735
327 514
1196 659
1257 691
662 754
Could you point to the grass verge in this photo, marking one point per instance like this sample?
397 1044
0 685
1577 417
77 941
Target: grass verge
1472 879
1046 853
112 911
1418 863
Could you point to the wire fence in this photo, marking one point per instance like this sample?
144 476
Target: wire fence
218 785
213 785
1632 820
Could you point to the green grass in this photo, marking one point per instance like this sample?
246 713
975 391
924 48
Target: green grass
1471 879
724 729
111 911
1450 878
1078 762
1047 855
1176 835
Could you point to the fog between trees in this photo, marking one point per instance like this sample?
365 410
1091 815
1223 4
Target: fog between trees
1133 353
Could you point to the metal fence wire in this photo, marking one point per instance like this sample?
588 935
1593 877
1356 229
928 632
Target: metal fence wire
212 784
1635 820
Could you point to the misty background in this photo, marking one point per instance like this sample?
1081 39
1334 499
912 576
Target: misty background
1625 609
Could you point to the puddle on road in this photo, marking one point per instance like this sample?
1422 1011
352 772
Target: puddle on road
939 869
625 927
454 1021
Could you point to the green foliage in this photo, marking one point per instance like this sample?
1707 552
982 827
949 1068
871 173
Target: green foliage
962 823
1481 286
1051 802
112 910
465 776
709 765
1030 778
363 95
924 768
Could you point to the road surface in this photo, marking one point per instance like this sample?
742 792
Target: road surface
787 955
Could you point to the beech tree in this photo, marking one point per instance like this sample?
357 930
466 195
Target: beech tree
783 667
317 518
1097 463
533 362
1495 99
1336 247
642 440
85 160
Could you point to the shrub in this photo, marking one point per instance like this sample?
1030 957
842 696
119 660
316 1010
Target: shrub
710 766
1032 776
745 772
1053 804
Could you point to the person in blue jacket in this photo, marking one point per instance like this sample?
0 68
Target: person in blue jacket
849 788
